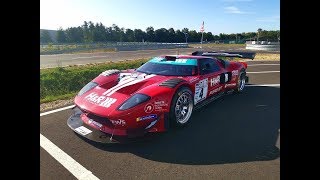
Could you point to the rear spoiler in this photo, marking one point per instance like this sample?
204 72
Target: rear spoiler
245 55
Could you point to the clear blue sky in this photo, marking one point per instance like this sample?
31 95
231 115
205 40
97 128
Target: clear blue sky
219 16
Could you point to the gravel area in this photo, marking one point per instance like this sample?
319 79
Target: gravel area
55 104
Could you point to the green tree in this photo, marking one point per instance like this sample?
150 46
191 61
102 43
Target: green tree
61 36
45 37
138 35
150 34
259 32
129 35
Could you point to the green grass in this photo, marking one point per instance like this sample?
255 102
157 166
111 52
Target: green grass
63 83
82 48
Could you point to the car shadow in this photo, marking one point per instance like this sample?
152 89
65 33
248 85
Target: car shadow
235 128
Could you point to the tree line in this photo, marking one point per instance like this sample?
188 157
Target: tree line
95 33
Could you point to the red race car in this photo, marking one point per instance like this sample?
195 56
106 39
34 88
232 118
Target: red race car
162 92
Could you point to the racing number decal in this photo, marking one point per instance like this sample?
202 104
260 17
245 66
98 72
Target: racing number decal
201 90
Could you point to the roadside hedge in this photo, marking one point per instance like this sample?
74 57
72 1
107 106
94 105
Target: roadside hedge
65 82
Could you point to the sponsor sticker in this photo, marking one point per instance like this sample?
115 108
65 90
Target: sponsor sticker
193 79
96 124
160 105
235 73
215 90
83 130
151 116
148 108
103 101
215 81
118 122
201 90
230 85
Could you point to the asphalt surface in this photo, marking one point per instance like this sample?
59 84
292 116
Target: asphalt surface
47 61
235 137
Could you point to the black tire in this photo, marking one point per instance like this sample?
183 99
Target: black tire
182 95
241 82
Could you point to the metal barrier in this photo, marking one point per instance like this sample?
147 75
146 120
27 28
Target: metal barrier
263 45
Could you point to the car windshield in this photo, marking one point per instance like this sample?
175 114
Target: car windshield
179 67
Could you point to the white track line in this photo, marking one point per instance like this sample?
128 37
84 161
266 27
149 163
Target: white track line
258 85
261 72
263 64
63 158
56 110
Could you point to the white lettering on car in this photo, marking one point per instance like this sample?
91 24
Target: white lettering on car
118 122
108 102
100 100
215 90
215 81
181 60
235 73
228 85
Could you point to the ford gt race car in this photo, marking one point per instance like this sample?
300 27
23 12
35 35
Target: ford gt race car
159 94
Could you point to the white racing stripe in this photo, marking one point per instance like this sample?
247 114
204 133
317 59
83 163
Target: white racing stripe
56 110
263 64
65 160
261 72
128 82
122 82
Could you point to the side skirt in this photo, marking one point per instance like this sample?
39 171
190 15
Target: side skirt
212 98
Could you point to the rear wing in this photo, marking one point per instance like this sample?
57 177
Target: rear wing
224 54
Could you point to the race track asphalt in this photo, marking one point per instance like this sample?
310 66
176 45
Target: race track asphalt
234 137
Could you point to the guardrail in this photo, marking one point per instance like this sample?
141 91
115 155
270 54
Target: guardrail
263 45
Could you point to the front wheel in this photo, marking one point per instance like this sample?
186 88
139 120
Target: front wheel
241 82
181 107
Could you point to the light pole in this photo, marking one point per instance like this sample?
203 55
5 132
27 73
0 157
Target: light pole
186 35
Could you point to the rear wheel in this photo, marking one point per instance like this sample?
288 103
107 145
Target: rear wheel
241 82
181 107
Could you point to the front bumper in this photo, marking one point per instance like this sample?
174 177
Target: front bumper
77 125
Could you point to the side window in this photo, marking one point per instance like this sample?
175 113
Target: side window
208 66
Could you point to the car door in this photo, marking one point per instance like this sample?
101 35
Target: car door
209 83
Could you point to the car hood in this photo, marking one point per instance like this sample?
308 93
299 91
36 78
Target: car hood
102 100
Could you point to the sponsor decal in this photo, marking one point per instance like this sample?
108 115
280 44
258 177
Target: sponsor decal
230 85
96 124
194 79
215 90
181 60
160 105
148 108
235 73
100 100
151 116
201 90
83 130
214 81
119 122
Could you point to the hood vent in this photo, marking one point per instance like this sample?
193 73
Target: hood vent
171 83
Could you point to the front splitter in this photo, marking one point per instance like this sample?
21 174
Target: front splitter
88 132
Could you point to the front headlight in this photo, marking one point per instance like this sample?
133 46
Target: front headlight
133 101
87 87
